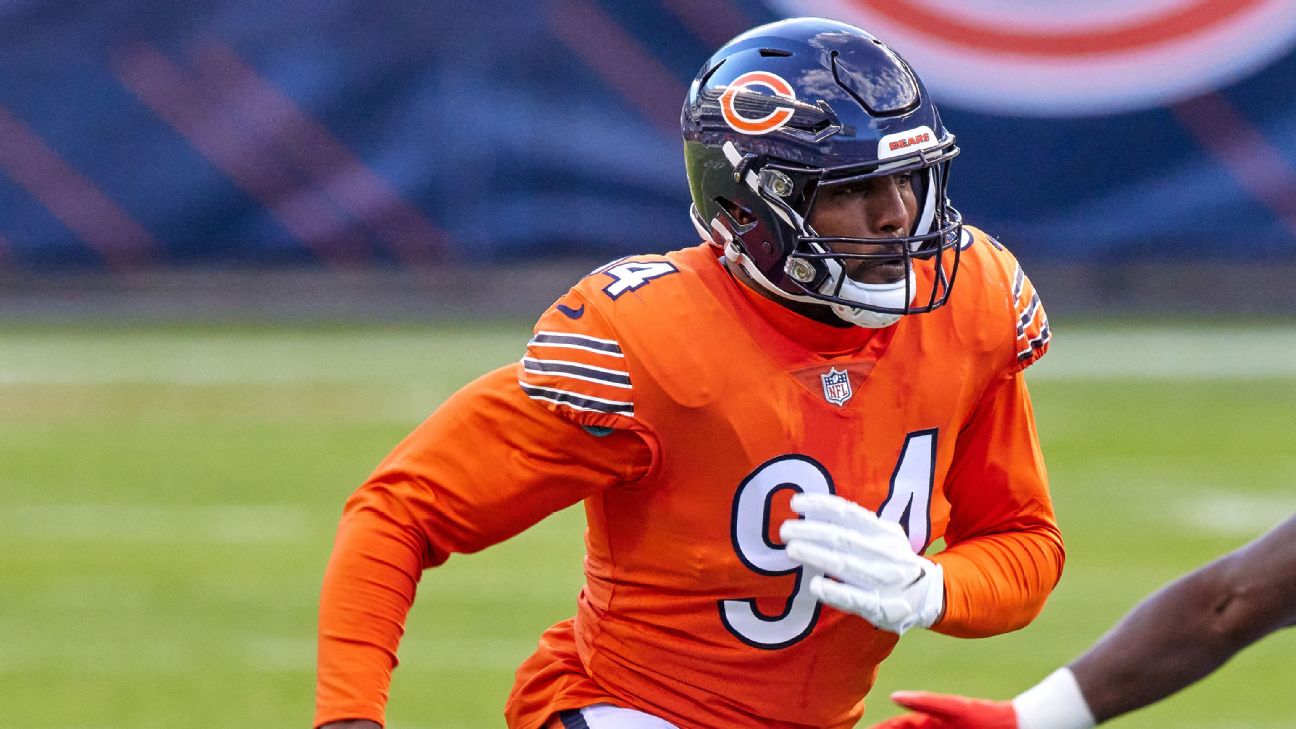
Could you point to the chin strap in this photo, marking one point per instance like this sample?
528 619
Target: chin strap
864 317
887 296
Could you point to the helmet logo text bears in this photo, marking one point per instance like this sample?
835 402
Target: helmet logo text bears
903 144
761 125
916 139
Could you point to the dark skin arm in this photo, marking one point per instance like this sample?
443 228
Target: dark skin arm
1192 626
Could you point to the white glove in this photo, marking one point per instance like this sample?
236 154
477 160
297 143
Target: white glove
871 569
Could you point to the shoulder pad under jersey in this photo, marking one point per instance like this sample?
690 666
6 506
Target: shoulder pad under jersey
574 362
574 366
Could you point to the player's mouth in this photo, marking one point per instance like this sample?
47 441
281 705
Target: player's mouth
879 270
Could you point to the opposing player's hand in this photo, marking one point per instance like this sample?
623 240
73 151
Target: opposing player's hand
943 711
871 569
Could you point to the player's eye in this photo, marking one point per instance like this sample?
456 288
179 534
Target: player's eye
857 188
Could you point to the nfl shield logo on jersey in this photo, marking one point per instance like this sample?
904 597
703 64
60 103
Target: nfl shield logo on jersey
837 386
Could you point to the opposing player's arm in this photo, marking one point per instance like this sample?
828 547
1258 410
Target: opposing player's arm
1171 640
1192 626
501 454
1004 553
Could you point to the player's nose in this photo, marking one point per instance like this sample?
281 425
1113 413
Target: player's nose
886 213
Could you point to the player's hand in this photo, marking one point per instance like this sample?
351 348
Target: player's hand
943 711
871 569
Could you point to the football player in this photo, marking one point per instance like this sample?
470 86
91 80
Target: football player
768 429
1174 638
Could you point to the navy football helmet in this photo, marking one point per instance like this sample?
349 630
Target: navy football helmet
790 109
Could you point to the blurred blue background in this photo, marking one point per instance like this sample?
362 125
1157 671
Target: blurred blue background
140 133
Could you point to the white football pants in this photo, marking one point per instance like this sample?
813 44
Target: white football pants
607 716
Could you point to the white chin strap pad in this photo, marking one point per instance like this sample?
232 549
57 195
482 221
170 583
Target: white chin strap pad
864 317
887 295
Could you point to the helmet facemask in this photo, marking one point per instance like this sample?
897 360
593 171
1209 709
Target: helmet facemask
814 267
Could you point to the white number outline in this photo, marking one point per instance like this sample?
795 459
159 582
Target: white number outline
907 488
741 617
634 275
916 465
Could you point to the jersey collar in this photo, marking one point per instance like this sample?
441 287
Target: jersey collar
822 339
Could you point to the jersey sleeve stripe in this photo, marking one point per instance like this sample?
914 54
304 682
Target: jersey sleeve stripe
577 401
1036 343
1019 280
588 373
1027 315
576 341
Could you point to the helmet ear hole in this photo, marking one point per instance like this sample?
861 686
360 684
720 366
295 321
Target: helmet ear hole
742 217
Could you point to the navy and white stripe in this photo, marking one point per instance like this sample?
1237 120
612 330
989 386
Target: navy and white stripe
576 341
577 371
1028 314
1032 322
573 720
578 400
1036 343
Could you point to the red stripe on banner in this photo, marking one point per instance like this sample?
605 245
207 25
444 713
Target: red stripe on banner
103 225
713 23
620 61
257 170
989 37
1256 164
338 172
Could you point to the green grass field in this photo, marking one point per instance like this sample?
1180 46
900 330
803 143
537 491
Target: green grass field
170 494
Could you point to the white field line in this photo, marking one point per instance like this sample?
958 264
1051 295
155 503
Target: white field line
109 654
205 359
1088 353
1233 514
282 653
1205 353
277 653
151 523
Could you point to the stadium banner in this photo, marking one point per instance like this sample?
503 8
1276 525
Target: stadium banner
228 133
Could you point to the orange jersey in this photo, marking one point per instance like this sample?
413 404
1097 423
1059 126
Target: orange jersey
685 410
